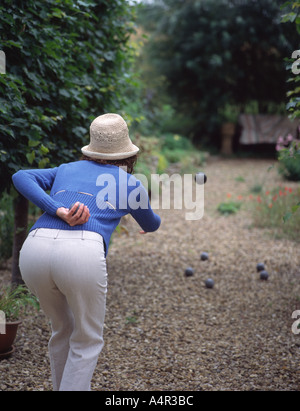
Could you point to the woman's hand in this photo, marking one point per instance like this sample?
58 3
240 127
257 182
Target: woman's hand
79 214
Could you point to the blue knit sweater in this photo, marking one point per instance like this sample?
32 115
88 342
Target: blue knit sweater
108 191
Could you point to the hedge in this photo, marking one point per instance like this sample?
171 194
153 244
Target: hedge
66 63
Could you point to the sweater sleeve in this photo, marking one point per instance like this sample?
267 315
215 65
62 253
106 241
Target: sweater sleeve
33 185
144 216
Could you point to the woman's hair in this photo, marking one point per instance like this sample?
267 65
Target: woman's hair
126 162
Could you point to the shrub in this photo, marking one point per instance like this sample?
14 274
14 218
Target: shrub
289 157
162 163
15 302
67 62
230 207
290 168
173 156
176 142
179 149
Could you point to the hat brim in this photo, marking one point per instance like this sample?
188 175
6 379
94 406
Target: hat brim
109 156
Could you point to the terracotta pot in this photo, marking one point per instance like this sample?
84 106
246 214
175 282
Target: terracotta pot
7 339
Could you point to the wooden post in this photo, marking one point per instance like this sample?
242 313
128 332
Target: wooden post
227 133
21 206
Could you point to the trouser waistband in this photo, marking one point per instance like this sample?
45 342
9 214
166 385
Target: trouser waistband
67 234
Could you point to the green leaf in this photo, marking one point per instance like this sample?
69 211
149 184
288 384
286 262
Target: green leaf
44 162
33 143
289 17
65 93
30 157
58 13
43 149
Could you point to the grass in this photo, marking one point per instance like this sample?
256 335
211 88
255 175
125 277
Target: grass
240 179
256 189
229 207
277 209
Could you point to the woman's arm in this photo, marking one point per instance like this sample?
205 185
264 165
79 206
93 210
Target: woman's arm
33 185
144 215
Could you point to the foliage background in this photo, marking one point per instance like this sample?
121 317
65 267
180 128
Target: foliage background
202 56
67 63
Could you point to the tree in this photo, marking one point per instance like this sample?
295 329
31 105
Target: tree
65 64
214 52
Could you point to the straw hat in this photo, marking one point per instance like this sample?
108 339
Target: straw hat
109 139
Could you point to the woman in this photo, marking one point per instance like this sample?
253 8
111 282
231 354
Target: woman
63 260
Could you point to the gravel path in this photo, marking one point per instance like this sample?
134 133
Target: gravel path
168 332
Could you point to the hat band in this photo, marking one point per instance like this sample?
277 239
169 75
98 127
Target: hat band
109 156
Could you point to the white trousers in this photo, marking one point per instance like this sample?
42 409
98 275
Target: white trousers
66 270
